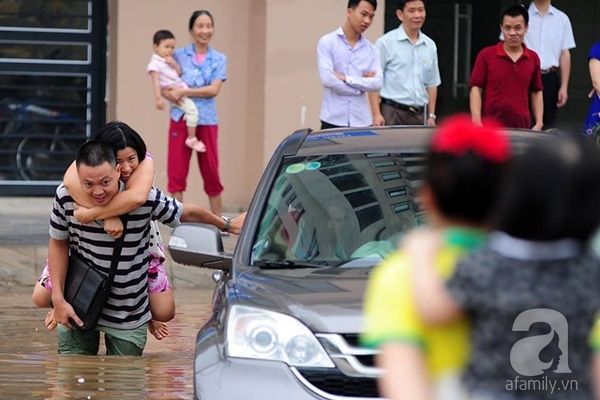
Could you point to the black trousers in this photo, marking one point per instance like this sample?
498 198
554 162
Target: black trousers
327 125
551 82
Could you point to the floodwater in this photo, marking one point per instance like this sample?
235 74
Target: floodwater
30 367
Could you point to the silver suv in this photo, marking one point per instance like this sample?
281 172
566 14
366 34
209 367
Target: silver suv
287 307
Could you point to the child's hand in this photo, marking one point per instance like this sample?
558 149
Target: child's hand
434 303
422 244
370 74
160 105
171 61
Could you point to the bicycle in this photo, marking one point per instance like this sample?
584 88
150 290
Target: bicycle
47 140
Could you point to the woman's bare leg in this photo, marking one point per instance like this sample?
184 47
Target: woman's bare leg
178 196
215 204
162 306
41 296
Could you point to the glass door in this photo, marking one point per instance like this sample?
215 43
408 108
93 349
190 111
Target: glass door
52 74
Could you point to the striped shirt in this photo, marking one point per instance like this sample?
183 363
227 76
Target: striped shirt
127 306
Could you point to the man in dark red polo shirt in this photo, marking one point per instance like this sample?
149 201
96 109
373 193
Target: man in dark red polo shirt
506 78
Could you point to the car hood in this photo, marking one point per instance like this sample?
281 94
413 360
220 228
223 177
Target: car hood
326 300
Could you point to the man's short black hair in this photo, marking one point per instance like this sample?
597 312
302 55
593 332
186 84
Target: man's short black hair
94 153
553 192
402 3
515 11
161 35
354 3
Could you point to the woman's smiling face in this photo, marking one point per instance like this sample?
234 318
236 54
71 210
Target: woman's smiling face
127 158
202 30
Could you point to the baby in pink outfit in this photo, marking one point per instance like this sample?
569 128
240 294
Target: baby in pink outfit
165 73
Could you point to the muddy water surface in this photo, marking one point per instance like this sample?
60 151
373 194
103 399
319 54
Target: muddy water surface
30 367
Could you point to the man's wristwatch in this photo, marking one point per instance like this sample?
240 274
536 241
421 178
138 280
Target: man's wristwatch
227 223
432 116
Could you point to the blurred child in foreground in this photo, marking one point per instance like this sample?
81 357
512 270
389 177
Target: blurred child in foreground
464 171
533 291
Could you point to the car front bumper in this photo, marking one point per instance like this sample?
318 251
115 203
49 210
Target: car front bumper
238 378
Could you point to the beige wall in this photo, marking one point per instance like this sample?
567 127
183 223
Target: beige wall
271 51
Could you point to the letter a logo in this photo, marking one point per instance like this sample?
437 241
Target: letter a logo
533 355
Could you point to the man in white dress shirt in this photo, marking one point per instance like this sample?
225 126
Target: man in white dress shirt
349 66
550 35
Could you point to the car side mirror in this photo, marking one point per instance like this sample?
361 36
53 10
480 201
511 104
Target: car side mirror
199 245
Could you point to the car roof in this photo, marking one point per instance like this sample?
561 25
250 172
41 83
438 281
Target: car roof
380 139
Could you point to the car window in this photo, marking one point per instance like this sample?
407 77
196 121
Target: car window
341 209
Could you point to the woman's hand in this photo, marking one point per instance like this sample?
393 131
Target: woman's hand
206 92
173 94
114 227
84 214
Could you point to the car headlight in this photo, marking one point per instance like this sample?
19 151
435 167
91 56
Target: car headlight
267 335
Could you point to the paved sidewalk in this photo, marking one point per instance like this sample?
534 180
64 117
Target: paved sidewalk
24 220
24 245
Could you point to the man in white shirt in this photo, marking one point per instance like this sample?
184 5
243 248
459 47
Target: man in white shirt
550 35
349 66
410 71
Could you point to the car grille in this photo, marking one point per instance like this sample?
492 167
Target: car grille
367 360
354 377
337 384
353 340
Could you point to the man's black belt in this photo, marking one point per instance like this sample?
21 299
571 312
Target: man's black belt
550 70
410 109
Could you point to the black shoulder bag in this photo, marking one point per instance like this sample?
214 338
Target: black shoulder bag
88 289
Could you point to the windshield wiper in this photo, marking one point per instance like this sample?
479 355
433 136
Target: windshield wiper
283 264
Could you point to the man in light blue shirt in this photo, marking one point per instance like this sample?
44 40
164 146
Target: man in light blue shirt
349 66
410 71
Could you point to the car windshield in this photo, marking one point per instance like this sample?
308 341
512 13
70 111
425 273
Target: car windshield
340 210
